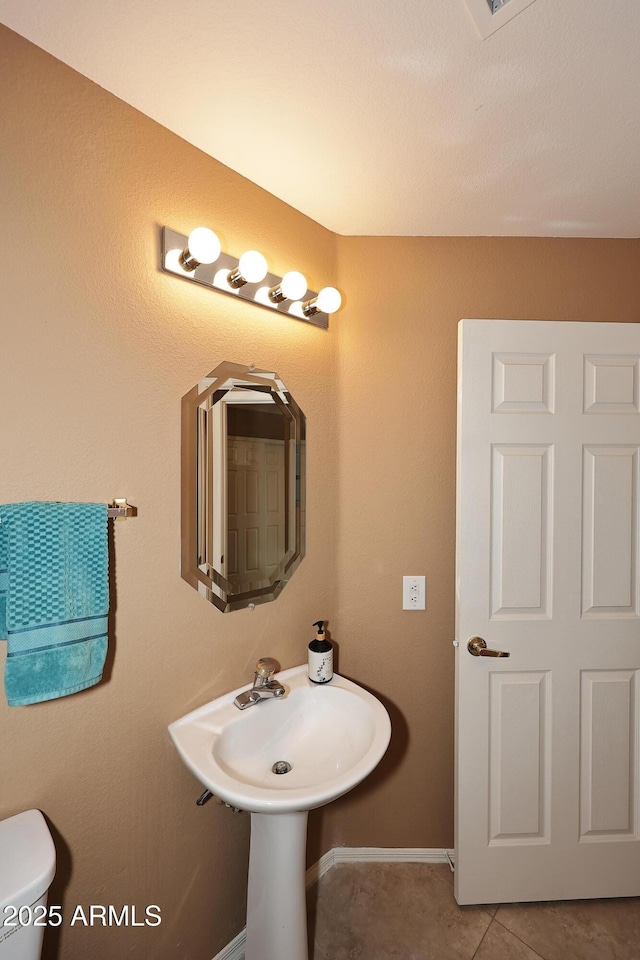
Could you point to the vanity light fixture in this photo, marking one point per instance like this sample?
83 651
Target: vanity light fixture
329 300
199 258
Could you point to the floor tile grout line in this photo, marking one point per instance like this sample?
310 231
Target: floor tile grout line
475 952
483 906
528 945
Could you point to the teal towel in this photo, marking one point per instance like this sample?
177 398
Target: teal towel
54 598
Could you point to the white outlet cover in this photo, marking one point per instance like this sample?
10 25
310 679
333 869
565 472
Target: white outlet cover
414 592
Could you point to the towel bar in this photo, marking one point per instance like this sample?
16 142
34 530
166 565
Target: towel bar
120 510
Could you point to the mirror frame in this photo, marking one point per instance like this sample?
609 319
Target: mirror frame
204 492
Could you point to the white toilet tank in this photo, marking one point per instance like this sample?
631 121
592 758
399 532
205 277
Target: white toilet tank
27 867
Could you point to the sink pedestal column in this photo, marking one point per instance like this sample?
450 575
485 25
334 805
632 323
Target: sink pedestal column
276 894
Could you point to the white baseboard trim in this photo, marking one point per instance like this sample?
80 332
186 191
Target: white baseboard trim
319 868
391 855
376 855
235 949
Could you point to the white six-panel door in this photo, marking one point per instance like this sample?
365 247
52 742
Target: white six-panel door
548 739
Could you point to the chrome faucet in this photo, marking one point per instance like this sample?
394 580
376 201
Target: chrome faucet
264 686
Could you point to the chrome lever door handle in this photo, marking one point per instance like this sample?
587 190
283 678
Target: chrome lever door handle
478 648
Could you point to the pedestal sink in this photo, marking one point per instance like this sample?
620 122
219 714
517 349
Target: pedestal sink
330 737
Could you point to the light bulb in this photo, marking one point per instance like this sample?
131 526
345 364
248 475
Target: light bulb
203 246
293 286
329 300
252 268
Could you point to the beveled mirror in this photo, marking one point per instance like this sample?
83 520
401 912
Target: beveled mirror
243 484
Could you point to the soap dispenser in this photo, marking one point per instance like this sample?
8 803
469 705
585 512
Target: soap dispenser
320 656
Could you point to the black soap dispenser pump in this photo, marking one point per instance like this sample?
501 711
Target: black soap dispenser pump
320 656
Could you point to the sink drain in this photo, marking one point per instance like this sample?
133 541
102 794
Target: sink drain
281 766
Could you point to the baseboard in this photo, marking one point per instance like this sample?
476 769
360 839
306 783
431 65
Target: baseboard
320 867
235 949
390 855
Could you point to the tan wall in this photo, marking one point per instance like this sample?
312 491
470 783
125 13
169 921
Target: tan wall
97 347
396 503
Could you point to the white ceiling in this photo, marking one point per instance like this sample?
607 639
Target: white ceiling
384 117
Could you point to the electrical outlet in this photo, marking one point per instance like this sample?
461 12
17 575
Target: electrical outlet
414 593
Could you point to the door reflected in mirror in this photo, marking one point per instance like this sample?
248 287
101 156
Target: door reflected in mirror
243 482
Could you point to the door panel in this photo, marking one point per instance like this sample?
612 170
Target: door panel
547 741
520 535
611 384
609 533
609 756
519 753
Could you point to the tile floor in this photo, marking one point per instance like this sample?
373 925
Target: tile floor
406 911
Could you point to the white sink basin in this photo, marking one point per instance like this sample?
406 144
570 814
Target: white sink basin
332 735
